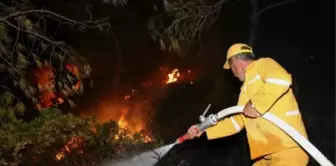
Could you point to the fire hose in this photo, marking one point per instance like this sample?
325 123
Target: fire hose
212 120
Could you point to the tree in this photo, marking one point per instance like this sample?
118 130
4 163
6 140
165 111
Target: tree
46 70
54 138
182 23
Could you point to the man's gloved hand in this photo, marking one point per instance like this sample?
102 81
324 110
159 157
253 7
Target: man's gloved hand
193 132
250 111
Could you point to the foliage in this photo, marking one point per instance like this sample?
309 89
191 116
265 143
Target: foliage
187 20
116 2
54 138
31 60
10 108
48 71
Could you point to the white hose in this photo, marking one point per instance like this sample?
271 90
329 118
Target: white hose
310 148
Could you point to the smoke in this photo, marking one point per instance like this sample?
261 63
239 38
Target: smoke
149 158
135 101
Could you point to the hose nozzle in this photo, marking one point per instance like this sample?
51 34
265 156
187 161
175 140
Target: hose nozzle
210 121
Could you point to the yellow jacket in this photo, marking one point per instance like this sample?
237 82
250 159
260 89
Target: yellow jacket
267 85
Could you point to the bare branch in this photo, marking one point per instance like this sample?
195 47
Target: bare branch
53 14
191 19
33 33
275 5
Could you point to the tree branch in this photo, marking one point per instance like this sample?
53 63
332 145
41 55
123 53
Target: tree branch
29 32
192 18
275 5
37 47
53 14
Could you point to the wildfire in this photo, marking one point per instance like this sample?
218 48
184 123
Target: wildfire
173 76
45 80
138 127
74 143
122 123
131 110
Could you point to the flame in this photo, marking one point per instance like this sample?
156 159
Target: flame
59 100
74 143
131 109
172 77
137 127
122 123
44 79
73 69
77 85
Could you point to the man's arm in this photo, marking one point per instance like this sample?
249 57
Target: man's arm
226 127
277 82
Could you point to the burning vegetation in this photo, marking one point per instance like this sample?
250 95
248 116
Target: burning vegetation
173 76
121 124
52 91
74 143
133 111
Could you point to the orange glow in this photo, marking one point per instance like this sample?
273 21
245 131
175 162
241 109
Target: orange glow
138 127
127 97
132 117
74 143
59 100
173 76
77 85
44 79
131 108
73 69
122 122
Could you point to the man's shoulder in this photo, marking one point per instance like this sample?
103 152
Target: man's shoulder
267 61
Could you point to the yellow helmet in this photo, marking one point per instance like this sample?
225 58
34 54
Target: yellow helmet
234 50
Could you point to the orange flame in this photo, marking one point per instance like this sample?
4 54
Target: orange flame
75 142
138 127
173 76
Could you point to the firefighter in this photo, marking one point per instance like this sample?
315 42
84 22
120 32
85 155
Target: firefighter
266 87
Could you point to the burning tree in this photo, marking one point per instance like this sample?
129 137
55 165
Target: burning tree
54 138
46 70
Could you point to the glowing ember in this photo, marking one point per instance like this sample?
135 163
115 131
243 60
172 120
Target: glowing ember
127 97
172 77
59 100
77 85
74 143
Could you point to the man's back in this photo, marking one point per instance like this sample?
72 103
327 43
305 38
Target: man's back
267 86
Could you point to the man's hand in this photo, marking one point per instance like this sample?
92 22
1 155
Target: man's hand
193 132
249 111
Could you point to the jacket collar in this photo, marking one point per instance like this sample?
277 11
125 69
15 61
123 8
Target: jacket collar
249 67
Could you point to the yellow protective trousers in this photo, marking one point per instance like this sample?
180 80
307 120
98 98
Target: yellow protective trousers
289 157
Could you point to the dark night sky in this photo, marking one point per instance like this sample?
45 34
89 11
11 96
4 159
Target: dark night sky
300 36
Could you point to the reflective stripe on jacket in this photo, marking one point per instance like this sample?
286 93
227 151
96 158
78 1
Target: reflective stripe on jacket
267 85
